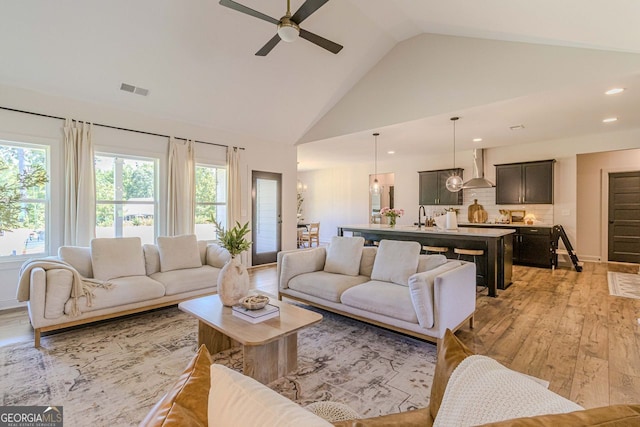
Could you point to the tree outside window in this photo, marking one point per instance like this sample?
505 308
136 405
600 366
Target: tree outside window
211 200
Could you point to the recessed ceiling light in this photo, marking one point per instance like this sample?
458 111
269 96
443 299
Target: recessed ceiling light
477 139
610 119
614 91
391 152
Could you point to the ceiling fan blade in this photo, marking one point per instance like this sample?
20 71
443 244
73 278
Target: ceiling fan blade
320 41
307 9
244 9
270 45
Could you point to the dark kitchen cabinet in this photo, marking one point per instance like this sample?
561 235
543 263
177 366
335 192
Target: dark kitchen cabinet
433 189
525 183
532 246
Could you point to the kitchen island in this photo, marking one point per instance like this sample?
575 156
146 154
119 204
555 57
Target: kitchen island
493 268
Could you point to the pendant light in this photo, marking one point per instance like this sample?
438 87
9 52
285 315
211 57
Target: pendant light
375 188
454 182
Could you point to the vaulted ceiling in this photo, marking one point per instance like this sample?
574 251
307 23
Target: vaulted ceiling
197 60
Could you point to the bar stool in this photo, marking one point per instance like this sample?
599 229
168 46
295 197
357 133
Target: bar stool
435 249
474 253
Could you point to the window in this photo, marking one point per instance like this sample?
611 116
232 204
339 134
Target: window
27 218
211 200
126 201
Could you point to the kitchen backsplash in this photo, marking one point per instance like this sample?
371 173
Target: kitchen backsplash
487 198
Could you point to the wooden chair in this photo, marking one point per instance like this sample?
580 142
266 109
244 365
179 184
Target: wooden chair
313 234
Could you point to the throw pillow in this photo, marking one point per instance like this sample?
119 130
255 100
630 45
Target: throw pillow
178 252
515 395
344 255
429 262
238 400
117 257
396 261
78 257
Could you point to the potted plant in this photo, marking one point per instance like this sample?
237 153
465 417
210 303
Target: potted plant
233 280
392 214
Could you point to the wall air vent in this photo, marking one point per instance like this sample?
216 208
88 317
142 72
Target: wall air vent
133 89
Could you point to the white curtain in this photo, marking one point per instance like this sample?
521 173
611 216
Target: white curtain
234 198
181 200
80 194
234 193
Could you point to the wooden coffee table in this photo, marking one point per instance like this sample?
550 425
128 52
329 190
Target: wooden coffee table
269 348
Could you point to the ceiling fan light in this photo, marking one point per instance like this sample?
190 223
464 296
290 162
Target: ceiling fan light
288 31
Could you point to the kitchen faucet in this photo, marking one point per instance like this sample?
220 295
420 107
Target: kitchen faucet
421 210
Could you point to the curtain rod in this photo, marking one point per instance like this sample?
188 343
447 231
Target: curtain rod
115 127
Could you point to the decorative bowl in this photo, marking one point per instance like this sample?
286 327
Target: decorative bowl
254 302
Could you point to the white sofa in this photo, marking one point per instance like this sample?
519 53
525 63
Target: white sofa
391 285
115 277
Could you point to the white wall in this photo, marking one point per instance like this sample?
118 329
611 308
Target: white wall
347 188
259 155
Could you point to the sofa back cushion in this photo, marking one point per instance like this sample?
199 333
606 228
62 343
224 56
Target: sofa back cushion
79 257
238 400
217 256
185 404
117 257
178 252
151 258
367 260
396 261
429 262
344 255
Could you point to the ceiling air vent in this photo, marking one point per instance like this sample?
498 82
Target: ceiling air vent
516 127
133 89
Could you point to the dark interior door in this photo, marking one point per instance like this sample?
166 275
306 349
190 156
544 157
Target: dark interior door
624 217
266 195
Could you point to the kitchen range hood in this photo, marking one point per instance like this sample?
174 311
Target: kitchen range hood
478 180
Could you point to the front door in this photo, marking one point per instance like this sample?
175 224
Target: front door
266 227
624 217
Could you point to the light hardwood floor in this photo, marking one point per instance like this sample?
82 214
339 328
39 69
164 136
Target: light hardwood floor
562 326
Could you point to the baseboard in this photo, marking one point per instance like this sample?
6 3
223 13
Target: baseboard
11 304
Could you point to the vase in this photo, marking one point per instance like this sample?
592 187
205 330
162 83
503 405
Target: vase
233 282
392 221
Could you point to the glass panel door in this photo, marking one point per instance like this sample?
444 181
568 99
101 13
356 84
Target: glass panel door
266 217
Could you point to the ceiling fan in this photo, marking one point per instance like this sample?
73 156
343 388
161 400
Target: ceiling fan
288 26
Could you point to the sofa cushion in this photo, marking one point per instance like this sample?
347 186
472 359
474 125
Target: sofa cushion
512 394
429 262
217 256
451 351
368 258
59 284
151 258
188 279
396 261
321 284
117 257
237 400
294 263
344 255
79 257
178 252
185 404
383 298
421 289
123 290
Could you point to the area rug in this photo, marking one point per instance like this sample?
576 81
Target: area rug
624 284
112 373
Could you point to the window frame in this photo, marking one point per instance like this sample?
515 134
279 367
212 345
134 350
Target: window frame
156 161
45 146
225 204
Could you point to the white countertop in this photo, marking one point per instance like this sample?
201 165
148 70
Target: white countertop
489 224
461 231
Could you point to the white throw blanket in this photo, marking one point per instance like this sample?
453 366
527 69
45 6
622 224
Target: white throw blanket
481 391
81 286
